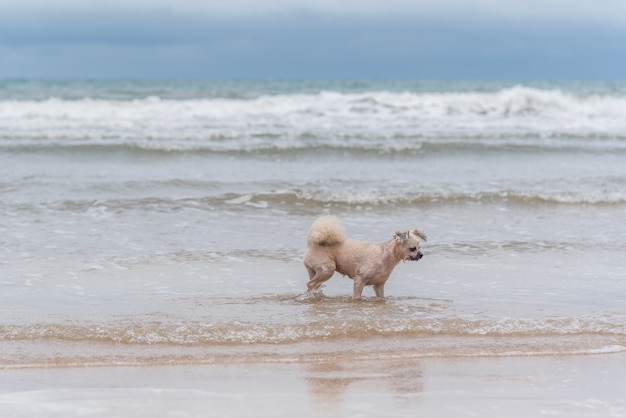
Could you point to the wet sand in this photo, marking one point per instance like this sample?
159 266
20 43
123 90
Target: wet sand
572 386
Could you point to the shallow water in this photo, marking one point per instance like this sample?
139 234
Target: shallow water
164 223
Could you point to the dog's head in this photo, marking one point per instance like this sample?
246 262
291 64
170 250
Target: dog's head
408 244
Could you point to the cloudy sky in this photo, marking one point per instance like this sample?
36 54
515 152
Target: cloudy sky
234 39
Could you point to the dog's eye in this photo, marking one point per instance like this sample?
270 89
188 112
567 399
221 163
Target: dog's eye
412 249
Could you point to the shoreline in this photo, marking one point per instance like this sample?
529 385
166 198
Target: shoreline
573 386
32 354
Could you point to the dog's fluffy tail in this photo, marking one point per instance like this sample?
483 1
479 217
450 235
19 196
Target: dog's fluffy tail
325 231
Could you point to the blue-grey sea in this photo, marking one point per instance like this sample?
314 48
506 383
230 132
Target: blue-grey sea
164 222
170 217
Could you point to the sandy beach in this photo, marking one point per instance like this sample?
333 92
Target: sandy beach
570 386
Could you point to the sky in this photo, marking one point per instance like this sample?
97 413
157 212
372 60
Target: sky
314 39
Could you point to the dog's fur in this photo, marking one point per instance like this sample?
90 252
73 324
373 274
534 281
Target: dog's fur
368 264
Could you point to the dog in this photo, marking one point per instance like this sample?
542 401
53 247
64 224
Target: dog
368 264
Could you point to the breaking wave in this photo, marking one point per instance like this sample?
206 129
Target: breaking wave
368 120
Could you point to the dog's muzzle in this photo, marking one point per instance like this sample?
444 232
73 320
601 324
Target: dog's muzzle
417 256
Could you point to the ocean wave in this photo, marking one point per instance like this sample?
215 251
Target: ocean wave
367 143
245 333
291 120
313 200
307 328
375 198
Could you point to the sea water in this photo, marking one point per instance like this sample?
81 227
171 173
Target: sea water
164 222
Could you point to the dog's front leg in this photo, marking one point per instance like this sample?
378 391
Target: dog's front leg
380 290
359 284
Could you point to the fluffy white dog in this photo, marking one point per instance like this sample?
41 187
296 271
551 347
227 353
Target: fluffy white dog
368 264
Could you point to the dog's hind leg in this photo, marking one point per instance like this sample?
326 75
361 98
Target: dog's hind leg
319 275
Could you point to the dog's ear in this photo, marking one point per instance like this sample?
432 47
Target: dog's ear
419 234
401 237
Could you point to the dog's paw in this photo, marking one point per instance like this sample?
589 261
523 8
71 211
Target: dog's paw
311 296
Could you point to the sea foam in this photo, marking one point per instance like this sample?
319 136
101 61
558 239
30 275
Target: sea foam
297 120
